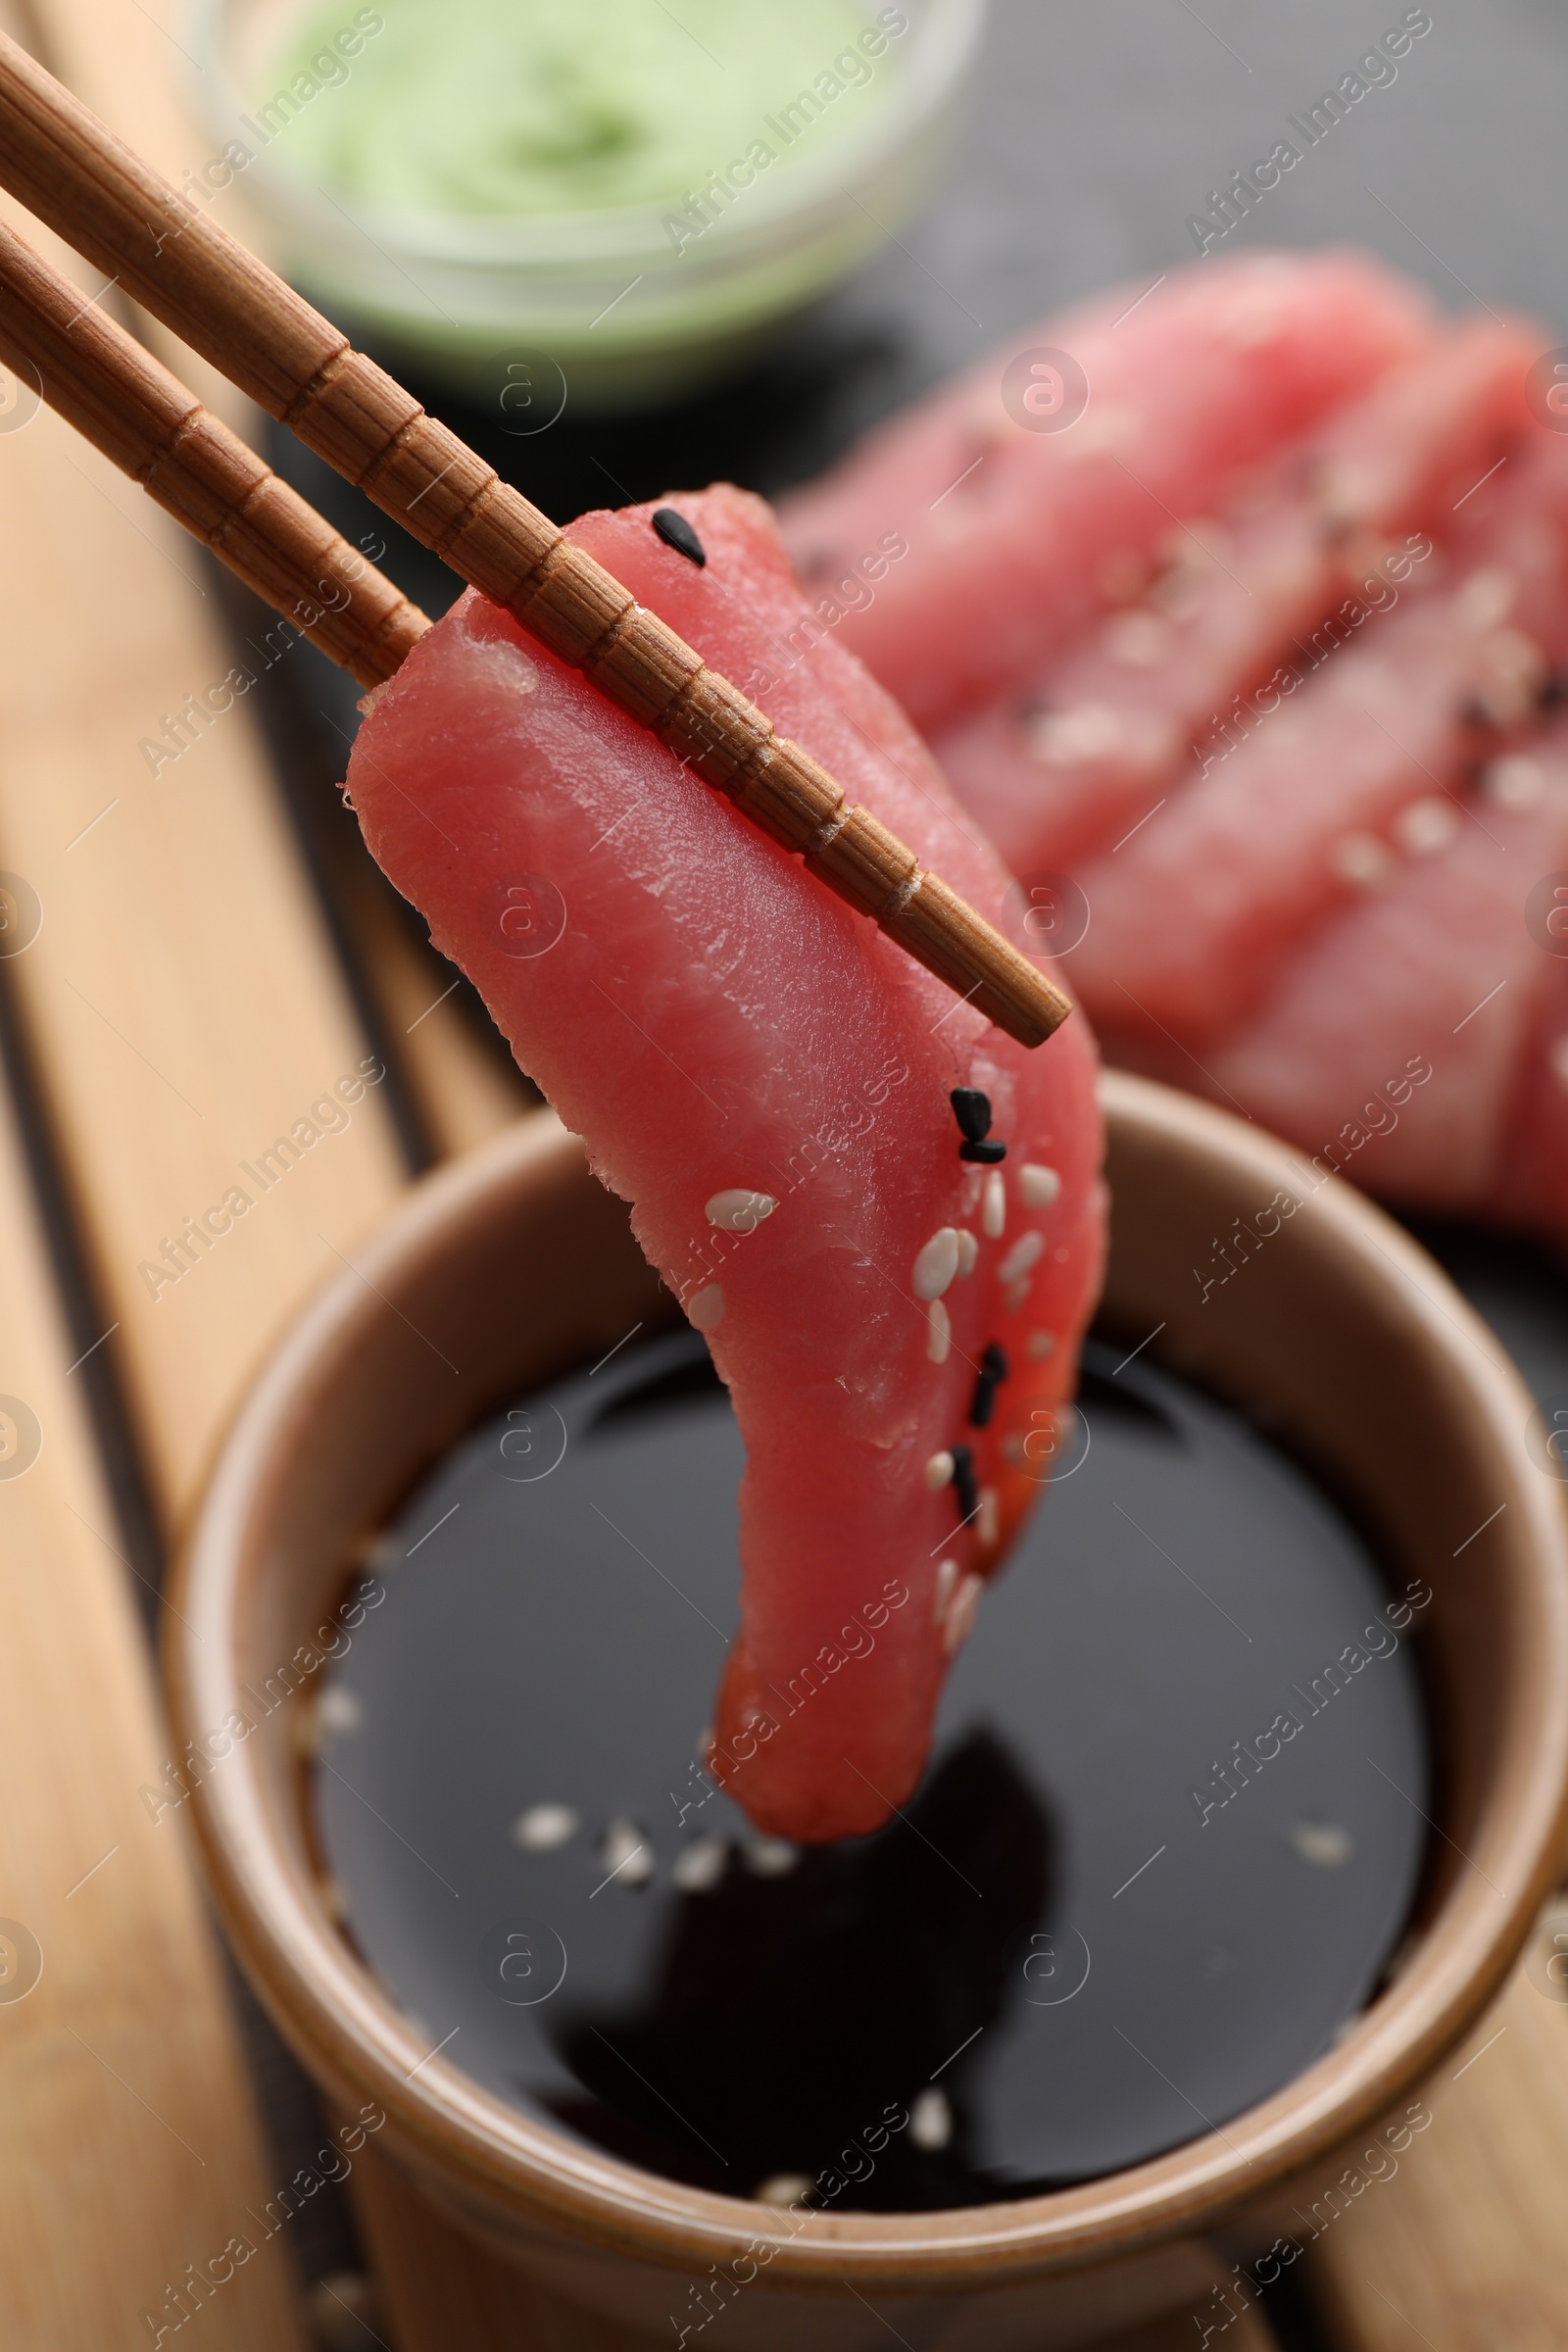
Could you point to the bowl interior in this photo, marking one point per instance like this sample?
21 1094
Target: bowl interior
512 1267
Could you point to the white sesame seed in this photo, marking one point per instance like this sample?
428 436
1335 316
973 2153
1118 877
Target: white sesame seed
1038 1186
1361 859
1323 1843
1016 1293
961 1616
739 1211
782 2188
1039 1344
1063 737
968 1251
1514 782
705 1310
543 1827
937 1333
994 1215
931 2121
939 1471
942 1591
624 1851
937 1263
700 1865
988 1525
770 1857
1426 826
1488 596
340 1710
1022 1257
1558 1055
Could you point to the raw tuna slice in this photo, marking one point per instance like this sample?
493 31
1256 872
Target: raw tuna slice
1390 1049
767 1081
1530 1184
1194 918
1529 1177
1163 689
1016 537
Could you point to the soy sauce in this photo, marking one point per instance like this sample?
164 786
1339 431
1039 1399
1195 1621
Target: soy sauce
1127 1901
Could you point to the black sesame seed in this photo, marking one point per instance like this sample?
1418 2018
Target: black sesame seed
991 1373
986 1152
972 1111
963 1479
676 532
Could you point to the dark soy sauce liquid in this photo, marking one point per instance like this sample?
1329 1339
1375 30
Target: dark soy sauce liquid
1055 1964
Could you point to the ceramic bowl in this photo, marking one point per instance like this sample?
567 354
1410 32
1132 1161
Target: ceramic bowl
512 1267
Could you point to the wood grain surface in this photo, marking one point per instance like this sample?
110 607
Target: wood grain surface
131 2146
132 2149
1466 2248
96 376
182 996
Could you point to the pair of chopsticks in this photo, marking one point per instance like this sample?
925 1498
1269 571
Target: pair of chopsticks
71 170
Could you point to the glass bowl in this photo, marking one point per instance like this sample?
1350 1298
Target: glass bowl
624 307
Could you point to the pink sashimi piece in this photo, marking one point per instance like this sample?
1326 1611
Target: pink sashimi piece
1014 538
1390 1049
1194 918
1530 1181
1111 730
712 1021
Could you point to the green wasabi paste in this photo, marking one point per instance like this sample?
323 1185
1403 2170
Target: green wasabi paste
516 107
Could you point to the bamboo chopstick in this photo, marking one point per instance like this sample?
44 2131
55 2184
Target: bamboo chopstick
144 419
95 192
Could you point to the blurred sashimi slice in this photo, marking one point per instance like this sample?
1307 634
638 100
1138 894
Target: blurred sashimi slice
1390 1049
1165 688
1196 917
769 1083
1022 522
1530 1179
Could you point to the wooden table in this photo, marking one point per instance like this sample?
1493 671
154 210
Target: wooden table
196 980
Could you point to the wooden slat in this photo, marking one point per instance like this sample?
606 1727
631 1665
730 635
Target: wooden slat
181 1006
132 67
181 997
129 2148
1466 2248
168 1063
129 67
